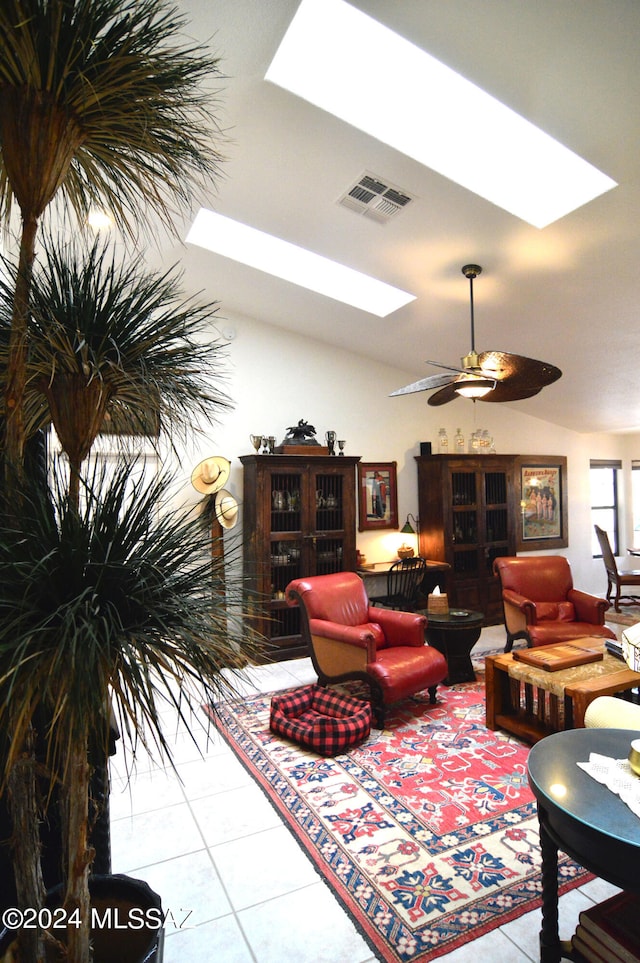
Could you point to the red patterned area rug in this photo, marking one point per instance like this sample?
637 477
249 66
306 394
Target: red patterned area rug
427 832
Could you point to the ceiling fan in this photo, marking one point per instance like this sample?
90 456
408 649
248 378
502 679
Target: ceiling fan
488 376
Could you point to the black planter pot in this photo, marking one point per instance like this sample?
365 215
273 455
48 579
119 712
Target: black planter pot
126 916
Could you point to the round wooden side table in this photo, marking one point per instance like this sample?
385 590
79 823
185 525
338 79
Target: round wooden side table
582 818
455 637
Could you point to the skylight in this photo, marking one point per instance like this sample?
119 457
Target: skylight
246 244
344 62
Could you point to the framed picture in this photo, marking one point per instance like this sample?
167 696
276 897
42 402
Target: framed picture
377 496
542 520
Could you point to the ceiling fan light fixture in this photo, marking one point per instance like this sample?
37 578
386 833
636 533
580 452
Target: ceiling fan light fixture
489 376
475 387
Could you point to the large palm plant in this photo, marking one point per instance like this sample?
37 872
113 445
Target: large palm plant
100 104
106 339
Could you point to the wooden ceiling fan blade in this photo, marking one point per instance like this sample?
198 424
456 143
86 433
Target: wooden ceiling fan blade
445 395
528 372
425 384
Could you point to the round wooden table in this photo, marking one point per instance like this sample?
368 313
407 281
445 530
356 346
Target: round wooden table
455 638
580 817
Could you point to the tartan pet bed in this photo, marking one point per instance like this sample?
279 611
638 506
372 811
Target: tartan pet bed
320 719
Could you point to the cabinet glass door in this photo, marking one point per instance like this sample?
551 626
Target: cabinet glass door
496 517
464 499
328 503
286 503
329 522
286 550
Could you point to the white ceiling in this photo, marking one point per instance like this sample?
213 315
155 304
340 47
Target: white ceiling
566 294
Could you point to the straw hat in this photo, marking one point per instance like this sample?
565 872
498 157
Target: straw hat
226 508
210 475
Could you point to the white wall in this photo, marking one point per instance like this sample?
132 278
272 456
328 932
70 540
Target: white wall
276 378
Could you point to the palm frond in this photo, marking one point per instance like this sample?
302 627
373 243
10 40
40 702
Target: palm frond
105 85
148 354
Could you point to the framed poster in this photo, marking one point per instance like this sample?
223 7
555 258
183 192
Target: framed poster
542 522
377 496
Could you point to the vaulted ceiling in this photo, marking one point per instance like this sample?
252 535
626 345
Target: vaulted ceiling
566 294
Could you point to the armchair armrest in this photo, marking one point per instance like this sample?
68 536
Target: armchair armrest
360 635
400 628
589 608
524 605
337 649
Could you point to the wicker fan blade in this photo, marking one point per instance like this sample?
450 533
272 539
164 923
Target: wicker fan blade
527 372
503 391
425 384
447 367
445 395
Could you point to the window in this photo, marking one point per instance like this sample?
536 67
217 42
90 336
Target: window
635 498
604 502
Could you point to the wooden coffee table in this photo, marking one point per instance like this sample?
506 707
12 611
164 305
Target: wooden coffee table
532 703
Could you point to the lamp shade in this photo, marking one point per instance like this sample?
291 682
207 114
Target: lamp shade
475 387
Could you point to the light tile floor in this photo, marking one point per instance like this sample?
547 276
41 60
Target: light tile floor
238 887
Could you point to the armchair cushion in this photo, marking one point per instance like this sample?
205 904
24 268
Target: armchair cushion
555 611
399 628
550 633
320 719
400 675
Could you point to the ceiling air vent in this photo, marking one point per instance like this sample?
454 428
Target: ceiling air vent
375 198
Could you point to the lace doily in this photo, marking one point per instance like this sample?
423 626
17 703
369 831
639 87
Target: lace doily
617 775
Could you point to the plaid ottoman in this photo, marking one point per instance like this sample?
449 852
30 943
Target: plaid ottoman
319 719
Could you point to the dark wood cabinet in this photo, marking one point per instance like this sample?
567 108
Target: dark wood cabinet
299 519
467 505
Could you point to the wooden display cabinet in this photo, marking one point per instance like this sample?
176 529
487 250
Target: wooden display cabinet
299 519
468 509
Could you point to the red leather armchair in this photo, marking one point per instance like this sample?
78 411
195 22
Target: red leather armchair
541 604
348 638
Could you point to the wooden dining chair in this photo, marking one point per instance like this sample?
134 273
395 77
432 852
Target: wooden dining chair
404 579
615 576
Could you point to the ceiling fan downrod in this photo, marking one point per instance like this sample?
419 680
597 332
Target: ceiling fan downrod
476 384
472 271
